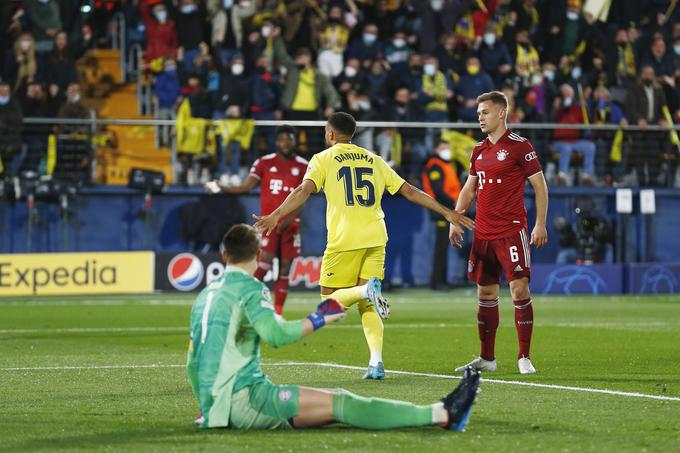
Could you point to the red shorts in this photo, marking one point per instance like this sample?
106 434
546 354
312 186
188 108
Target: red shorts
488 258
284 245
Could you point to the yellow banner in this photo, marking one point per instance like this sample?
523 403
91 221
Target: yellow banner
42 274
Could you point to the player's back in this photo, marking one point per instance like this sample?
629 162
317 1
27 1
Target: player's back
353 180
225 346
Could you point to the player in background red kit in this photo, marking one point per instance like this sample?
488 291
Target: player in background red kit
499 168
278 174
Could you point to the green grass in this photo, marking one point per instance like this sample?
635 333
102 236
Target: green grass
625 344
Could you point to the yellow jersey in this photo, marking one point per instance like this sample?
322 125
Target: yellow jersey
353 180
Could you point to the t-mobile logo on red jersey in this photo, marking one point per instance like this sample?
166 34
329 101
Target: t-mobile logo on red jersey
275 186
482 179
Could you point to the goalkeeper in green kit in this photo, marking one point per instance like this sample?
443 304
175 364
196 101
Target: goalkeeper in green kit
229 318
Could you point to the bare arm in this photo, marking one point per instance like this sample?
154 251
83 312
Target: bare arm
294 201
467 194
246 186
417 196
539 235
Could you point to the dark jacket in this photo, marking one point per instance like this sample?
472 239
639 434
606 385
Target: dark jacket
167 89
234 90
265 92
636 105
492 57
11 124
412 112
190 31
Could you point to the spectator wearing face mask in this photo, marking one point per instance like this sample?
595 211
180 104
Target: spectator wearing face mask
451 56
622 58
33 104
376 81
643 107
160 31
568 141
22 64
11 124
568 31
350 80
60 68
470 85
434 94
603 111
367 47
227 18
397 52
526 57
168 94
190 30
441 182
333 42
73 153
45 21
437 18
494 56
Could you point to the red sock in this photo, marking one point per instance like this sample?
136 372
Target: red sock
280 293
262 269
524 322
487 324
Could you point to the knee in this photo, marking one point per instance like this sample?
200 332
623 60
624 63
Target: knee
487 294
520 291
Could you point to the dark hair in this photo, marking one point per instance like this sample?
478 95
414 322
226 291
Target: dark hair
286 129
496 97
343 123
241 243
303 51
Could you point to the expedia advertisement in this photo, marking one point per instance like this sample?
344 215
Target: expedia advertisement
43 274
191 272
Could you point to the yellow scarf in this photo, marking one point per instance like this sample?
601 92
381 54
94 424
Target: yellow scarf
436 86
527 61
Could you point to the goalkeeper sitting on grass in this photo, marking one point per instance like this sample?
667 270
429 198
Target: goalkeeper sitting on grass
229 318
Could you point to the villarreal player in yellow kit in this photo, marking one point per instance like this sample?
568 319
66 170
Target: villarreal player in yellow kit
354 180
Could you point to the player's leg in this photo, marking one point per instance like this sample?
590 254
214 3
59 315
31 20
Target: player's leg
281 285
339 274
484 269
514 254
289 250
318 407
270 246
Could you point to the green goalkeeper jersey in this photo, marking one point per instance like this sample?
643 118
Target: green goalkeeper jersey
228 319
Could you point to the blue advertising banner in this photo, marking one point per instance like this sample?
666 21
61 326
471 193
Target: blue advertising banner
653 278
577 279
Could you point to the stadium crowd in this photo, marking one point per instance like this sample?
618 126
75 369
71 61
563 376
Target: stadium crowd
381 60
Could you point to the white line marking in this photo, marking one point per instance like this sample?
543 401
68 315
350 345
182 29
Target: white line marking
173 329
358 368
495 381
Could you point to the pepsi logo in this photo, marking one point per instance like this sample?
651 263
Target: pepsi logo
185 272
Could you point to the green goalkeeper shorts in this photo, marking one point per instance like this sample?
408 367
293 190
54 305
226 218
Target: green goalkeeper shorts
264 406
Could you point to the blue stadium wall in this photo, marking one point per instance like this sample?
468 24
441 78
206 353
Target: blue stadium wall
111 219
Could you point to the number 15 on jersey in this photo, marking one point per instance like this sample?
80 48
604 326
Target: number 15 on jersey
360 180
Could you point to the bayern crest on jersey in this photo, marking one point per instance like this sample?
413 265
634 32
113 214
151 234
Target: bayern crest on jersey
502 154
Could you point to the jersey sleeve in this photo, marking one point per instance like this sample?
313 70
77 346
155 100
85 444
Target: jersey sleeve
258 302
257 169
393 181
528 160
316 172
473 161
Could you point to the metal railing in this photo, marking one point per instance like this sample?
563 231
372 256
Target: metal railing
118 41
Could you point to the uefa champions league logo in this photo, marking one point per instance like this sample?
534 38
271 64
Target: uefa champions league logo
574 279
658 279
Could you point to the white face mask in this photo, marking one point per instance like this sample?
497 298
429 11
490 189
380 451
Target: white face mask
567 102
228 3
75 98
489 39
429 69
237 69
25 44
536 79
162 16
549 74
364 105
187 9
43 1
437 5
399 42
350 71
4 100
445 154
571 15
576 73
266 31
245 4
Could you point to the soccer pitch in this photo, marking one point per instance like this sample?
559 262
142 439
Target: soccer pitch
108 373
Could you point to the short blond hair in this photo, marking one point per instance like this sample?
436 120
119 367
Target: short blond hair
496 97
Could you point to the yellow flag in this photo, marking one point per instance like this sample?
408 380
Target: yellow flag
240 130
669 119
395 152
615 151
190 131
461 146
51 153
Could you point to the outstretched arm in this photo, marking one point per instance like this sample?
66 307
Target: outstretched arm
246 186
417 196
539 235
465 199
294 201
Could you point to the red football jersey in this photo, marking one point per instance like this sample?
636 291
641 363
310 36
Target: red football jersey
278 177
501 170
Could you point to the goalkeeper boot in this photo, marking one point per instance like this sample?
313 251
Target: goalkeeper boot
525 366
376 298
479 364
375 372
458 403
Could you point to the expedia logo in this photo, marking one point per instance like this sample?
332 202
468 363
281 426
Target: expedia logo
185 272
34 278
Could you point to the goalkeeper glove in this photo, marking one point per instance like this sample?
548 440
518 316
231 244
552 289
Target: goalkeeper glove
326 308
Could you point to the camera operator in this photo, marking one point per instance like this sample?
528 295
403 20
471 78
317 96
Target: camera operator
589 241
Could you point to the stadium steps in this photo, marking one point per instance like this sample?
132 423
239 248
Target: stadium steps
125 147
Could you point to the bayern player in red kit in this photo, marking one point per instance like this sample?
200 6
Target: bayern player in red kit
499 168
278 174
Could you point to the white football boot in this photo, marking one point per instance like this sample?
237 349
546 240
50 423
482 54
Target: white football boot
525 366
479 364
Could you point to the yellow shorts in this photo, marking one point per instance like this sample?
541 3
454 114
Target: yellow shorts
343 269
